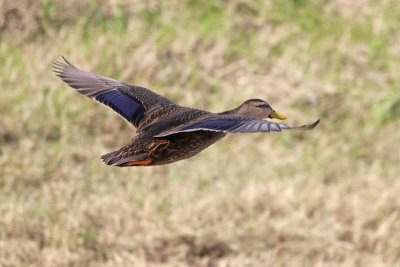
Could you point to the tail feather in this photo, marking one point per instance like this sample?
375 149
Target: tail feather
119 159
110 158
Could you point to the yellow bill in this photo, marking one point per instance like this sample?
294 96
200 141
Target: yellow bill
277 115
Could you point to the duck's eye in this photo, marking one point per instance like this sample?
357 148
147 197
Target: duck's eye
262 106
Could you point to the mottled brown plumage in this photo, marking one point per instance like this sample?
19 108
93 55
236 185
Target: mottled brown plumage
167 132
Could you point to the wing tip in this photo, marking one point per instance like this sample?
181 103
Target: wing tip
315 123
59 67
66 61
311 126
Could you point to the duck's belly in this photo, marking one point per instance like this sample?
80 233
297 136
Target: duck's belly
184 145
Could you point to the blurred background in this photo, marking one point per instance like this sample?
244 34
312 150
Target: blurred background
325 197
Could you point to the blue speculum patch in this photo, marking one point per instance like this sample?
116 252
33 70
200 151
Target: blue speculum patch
126 106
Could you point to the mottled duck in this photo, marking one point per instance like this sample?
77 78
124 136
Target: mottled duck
165 131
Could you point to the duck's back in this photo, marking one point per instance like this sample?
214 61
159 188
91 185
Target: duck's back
146 149
169 118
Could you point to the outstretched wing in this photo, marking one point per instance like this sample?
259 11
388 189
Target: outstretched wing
235 124
129 101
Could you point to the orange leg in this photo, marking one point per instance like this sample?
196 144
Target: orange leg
141 162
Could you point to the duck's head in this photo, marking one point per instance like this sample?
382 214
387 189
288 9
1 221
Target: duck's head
260 109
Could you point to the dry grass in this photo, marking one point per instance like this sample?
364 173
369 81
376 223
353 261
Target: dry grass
329 197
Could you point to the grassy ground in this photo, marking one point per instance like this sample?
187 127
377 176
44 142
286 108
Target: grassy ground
326 197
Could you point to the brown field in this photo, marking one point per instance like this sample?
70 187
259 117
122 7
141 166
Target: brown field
329 197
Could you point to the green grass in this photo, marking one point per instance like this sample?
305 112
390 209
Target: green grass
325 197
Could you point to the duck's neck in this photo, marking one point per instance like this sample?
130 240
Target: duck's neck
235 111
